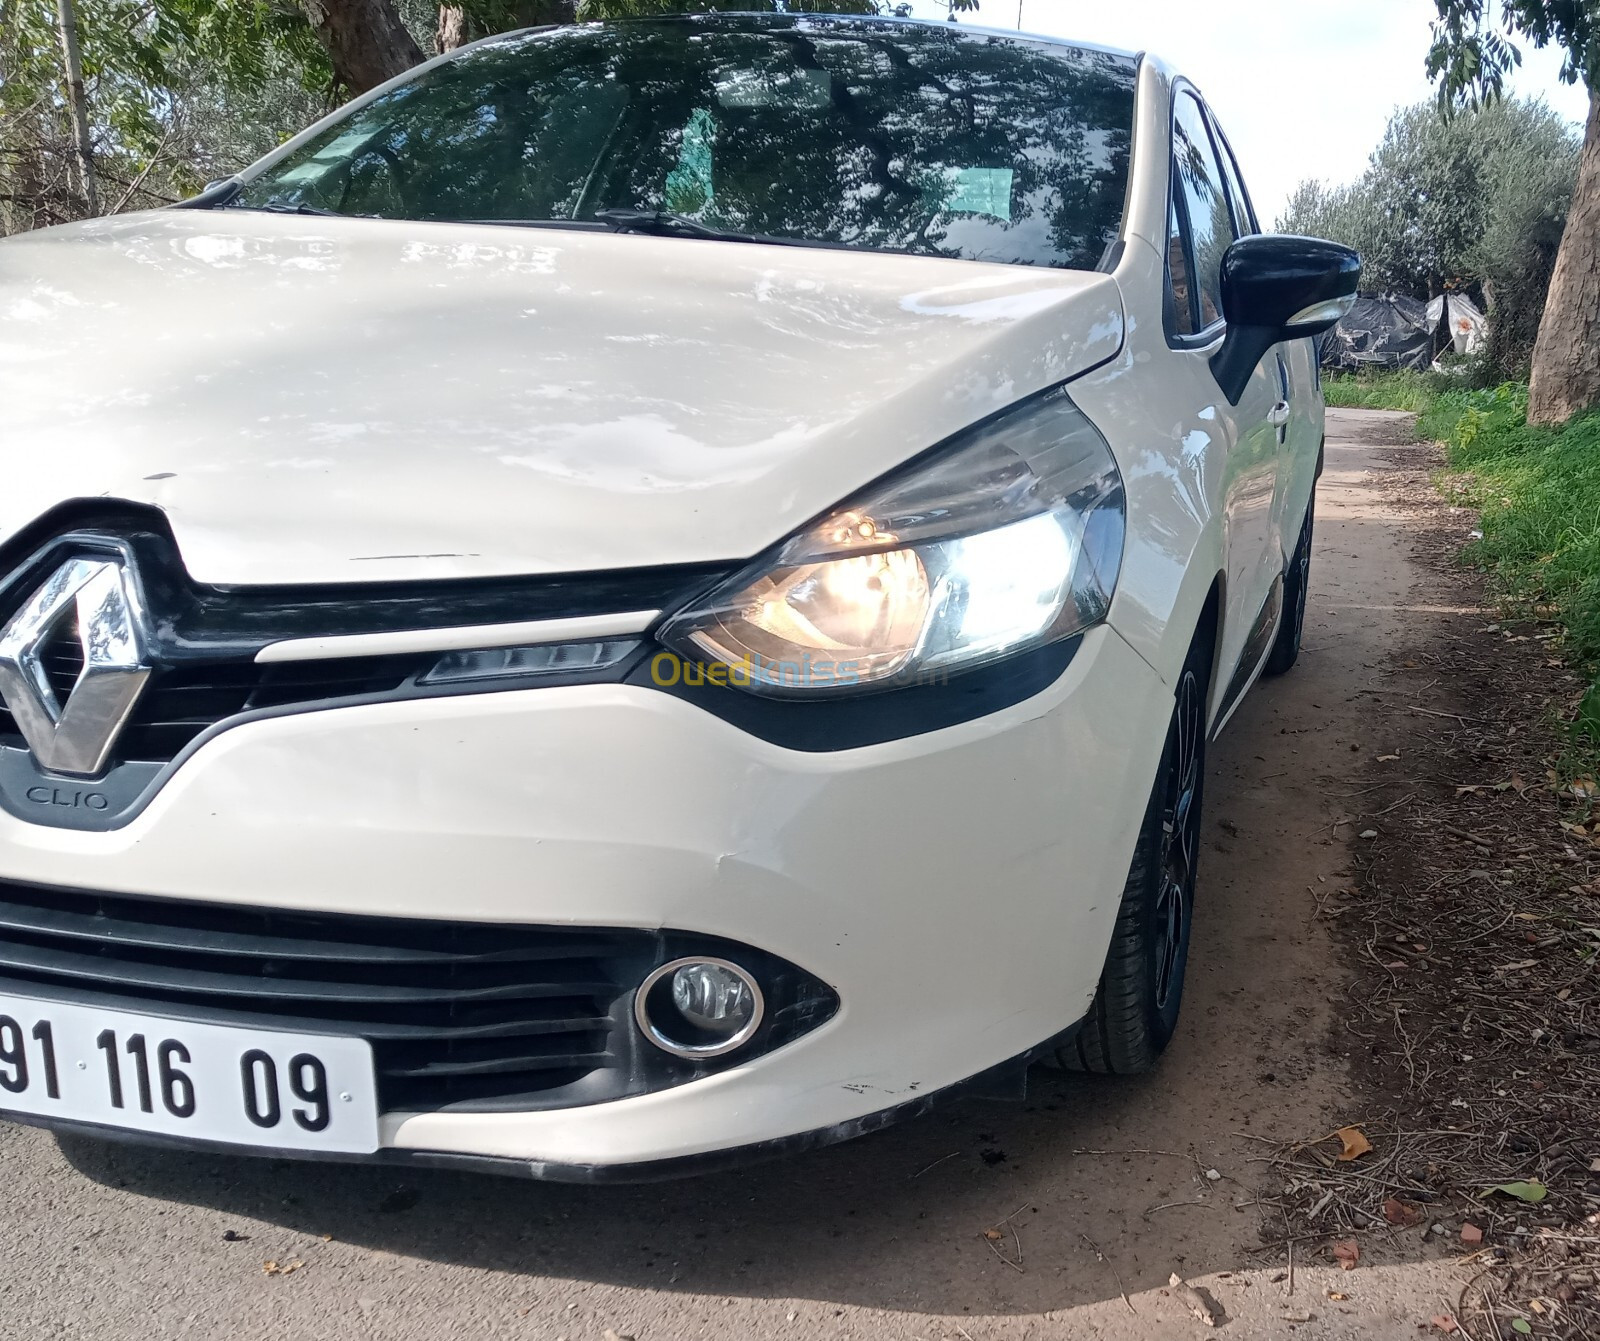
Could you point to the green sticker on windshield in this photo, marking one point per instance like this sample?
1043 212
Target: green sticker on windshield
979 191
689 184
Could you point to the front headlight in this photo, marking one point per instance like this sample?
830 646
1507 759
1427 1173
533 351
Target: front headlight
1006 539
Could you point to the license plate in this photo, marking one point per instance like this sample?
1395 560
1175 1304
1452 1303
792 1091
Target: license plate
206 1081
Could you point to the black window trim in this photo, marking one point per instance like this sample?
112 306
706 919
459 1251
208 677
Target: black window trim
1200 339
1178 212
1250 224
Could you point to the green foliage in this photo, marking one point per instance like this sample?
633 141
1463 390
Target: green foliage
1446 201
1532 169
1403 389
1538 490
1476 200
1473 48
1341 213
173 87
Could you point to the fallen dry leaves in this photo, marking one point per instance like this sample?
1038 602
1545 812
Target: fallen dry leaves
1354 1144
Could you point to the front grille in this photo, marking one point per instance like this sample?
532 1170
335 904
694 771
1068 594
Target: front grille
62 658
460 1015
203 640
180 702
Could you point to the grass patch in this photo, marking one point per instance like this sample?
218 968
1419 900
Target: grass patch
1538 493
1401 390
1538 490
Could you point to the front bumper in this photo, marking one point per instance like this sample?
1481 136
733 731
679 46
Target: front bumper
956 889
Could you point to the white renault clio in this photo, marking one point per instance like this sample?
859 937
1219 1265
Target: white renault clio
644 593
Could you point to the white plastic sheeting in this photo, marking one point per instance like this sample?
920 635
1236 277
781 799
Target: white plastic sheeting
1467 324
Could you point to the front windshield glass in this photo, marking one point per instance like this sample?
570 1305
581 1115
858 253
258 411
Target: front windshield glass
874 135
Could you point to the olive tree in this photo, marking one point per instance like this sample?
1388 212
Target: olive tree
1474 48
145 101
1472 200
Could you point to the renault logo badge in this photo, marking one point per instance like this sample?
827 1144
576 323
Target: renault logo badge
91 599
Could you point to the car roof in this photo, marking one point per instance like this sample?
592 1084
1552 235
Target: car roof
789 18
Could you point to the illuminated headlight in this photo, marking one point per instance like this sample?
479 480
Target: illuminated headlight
1008 538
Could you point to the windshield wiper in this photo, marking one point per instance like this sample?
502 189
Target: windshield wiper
582 225
296 207
664 223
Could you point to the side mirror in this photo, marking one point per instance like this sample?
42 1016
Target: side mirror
1277 287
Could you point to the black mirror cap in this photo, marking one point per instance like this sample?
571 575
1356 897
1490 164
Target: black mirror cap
1299 285
1277 287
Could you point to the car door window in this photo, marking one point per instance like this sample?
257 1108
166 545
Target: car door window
1181 300
1205 202
1244 215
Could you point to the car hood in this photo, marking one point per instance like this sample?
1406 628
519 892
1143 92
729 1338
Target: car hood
317 400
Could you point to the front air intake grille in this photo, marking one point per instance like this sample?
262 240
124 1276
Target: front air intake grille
202 641
181 702
460 1015
62 658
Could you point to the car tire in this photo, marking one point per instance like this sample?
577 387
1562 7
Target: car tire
1286 646
1135 1009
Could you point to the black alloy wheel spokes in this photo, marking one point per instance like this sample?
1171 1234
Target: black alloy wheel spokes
1180 823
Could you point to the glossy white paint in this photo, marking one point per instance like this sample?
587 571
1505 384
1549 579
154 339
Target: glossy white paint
1212 498
945 885
592 400
324 400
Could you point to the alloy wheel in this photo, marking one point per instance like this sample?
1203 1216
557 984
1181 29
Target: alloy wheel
1302 575
1180 824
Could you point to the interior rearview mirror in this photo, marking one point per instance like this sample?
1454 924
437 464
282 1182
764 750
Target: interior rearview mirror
1278 287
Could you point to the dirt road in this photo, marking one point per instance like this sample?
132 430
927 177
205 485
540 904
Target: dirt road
882 1237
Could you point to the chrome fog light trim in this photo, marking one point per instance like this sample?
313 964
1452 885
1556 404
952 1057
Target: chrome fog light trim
659 985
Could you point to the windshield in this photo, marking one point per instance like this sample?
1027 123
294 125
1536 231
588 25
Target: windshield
880 136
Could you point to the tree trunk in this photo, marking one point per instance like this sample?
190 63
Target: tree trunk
364 39
1566 359
78 104
455 31
537 13
452 30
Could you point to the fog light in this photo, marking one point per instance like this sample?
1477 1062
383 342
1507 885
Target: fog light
699 1007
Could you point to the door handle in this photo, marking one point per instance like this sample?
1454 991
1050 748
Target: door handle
1278 415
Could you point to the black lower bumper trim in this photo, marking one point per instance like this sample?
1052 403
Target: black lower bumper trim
1005 1080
